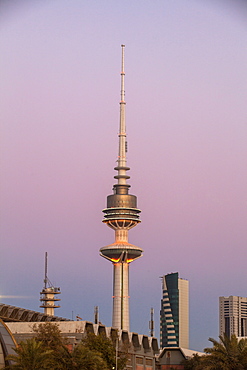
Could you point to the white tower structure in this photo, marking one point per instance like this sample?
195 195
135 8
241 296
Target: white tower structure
48 294
121 215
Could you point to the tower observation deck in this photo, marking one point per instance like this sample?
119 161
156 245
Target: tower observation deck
121 215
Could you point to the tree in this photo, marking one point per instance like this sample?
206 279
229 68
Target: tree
105 346
102 344
62 359
30 355
49 350
87 359
82 357
228 353
49 334
193 363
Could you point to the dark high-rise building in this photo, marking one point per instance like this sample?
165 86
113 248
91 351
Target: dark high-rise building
174 313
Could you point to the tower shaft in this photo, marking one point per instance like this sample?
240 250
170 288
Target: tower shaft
121 215
120 316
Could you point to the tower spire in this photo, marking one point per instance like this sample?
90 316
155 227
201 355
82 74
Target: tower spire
122 133
121 215
122 186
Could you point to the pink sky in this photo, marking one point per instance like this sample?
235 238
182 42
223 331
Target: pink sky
186 93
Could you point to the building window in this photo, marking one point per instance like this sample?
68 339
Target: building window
149 362
139 360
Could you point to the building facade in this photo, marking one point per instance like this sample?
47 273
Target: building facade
173 358
233 316
174 313
143 351
7 345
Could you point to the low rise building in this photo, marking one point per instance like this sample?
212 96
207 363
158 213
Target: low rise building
143 350
172 357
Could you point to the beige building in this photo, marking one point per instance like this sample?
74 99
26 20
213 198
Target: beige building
233 316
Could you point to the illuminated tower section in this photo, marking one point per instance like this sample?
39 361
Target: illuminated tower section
121 215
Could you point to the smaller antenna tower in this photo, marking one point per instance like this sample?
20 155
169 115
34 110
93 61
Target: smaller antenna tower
151 323
96 314
48 294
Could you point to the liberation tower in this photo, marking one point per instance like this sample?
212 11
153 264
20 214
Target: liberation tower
121 215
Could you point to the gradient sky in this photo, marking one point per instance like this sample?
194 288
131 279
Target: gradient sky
186 94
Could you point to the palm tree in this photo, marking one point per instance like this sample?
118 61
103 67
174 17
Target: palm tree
194 363
30 355
226 354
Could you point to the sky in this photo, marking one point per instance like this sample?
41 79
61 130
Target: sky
186 119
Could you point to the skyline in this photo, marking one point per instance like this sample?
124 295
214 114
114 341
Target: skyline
186 88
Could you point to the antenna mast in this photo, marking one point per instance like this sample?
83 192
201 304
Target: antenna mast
46 279
151 323
96 314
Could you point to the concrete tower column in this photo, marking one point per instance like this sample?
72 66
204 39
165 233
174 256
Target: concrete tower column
120 316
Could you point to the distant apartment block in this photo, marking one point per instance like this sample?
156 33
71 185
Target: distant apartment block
174 313
233 316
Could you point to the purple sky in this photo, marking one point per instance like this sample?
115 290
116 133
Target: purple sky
186 93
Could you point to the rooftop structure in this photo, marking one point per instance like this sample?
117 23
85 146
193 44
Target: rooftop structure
18 314
171 357
48 294
121 215
142 349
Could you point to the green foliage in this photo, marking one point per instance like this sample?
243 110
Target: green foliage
49 350
102 344
193 363
86 359
49 334
30 355
62 359
107 349
226 354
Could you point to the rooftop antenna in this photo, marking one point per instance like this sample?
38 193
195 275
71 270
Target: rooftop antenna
47 296
96 314
151 323
46 278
